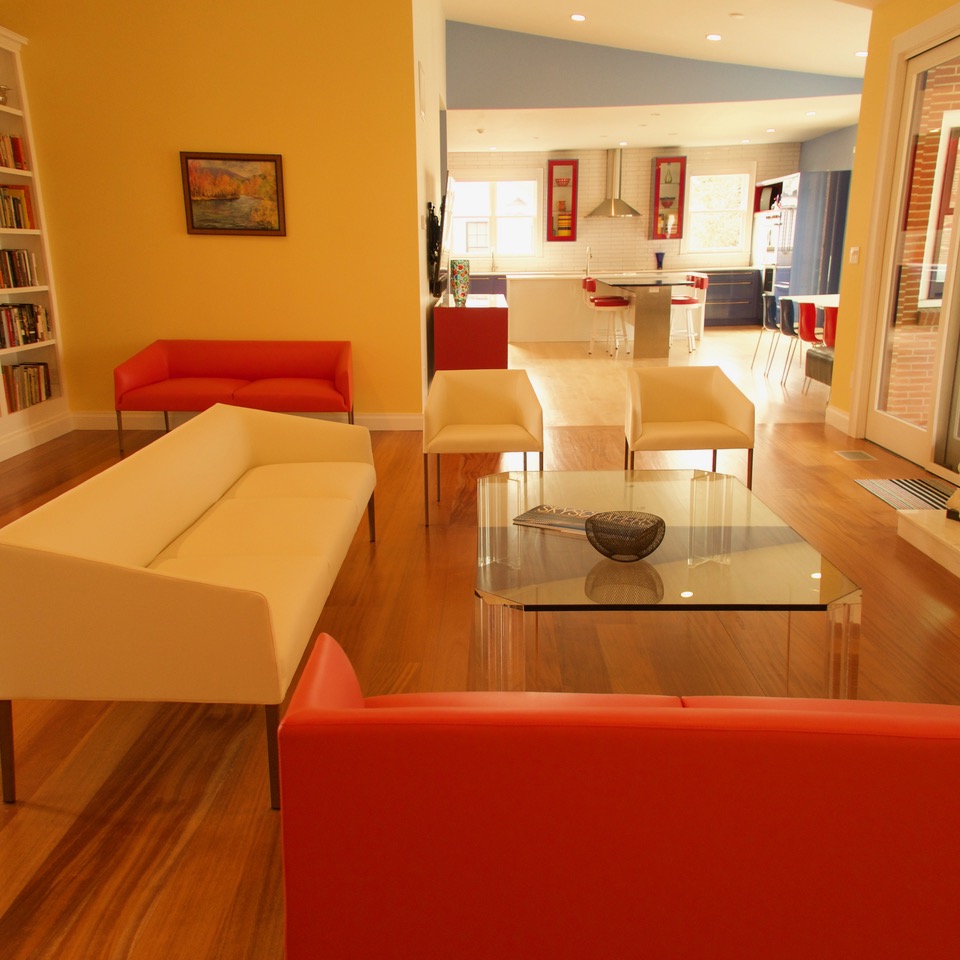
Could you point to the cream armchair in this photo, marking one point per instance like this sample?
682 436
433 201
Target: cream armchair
479 411
686 408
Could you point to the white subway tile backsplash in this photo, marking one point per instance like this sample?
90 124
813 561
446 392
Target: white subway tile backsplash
620 244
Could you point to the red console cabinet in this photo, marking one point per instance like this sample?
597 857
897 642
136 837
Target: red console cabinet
473 337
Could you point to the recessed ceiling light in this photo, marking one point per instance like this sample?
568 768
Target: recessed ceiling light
860 53
714 36
744 141
623 143
771 129
811 113
577 17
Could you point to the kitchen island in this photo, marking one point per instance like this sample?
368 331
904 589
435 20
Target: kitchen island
551 307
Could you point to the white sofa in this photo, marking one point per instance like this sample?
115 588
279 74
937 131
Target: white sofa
194 570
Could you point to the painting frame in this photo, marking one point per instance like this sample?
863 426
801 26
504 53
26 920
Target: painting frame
260 212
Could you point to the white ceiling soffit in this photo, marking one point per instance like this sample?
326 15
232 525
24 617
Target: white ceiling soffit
684 125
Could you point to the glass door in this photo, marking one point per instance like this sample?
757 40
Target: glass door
915 364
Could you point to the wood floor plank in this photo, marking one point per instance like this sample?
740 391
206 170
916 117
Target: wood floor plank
144 831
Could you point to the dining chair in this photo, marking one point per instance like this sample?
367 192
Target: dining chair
770 322
787 323
818 364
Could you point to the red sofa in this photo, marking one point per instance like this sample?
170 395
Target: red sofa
479 825
292 376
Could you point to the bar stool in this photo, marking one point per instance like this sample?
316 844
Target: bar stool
687 312
608 312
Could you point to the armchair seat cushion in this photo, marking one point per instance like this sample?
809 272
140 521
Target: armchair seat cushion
485 437
690 435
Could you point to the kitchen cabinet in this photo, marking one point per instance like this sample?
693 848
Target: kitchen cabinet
562 199
669 181
488 283
733 298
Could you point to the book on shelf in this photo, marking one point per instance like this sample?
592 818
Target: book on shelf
567 520
18 268
26 384
24 323
12 154
16 207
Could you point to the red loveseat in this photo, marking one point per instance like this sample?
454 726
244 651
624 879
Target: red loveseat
475 825
292 376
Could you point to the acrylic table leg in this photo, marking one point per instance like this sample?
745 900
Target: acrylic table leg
501 644
843 647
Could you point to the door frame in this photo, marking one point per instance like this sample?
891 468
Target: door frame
886 209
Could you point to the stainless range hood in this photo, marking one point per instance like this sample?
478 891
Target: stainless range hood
613 206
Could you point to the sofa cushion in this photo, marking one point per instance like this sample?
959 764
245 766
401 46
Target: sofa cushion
185 393
352 481
248 527
291 394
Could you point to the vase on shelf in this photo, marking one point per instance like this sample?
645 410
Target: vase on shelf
460 281
659 256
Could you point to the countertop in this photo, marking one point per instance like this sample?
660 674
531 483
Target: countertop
607 275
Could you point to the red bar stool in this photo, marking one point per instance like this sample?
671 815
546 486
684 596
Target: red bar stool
687 311
608 312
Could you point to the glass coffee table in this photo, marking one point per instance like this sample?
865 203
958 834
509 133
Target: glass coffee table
723 553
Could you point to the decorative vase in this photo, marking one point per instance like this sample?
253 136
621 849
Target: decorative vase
3 93
460 281
659 256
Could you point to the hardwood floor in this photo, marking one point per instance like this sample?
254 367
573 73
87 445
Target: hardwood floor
144 830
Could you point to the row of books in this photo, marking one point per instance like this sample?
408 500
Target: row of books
26 384
18 268
16 207
11 152
24 323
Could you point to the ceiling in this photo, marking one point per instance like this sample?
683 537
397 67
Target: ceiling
813 36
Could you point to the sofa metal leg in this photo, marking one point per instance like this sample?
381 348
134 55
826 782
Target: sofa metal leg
120 431
272 716
350 415
166 421
750 468
372 519
6 752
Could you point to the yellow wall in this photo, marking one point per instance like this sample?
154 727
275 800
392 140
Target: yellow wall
890 20
117 89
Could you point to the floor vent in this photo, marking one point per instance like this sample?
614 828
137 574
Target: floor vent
853 455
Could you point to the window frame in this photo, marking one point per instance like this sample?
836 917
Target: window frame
498 175
706 168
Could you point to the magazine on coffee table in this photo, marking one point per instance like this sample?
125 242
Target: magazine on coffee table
568 520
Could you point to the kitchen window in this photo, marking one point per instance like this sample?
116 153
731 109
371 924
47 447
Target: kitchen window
497 216
718 208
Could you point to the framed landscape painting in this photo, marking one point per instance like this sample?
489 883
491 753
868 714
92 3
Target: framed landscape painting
233 194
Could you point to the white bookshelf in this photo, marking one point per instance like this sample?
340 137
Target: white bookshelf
33 406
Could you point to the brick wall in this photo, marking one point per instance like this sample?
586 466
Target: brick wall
912 339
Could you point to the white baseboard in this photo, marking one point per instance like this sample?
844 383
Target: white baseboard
39 428
838 418
99 420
